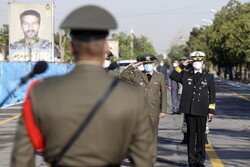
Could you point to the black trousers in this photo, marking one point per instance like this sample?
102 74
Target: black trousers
196 127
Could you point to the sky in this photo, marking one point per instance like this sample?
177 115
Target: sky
163 21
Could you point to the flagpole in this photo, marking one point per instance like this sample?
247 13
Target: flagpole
132 43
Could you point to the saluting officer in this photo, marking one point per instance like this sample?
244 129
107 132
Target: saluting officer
61 104
198 104
155 91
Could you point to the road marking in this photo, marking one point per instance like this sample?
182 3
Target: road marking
214 159
10 119
234 93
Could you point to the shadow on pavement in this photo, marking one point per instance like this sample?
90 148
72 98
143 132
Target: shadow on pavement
243 134
165 161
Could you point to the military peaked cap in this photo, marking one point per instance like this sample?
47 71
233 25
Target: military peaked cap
138 58
89 23
197 55
147 58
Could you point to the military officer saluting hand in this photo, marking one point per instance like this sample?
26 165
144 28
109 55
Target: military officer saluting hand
198 104
155 91
60 105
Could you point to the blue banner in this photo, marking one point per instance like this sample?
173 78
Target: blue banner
11 74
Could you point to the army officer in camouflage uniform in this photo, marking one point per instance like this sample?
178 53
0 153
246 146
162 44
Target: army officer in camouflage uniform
60 104
31 47
155 91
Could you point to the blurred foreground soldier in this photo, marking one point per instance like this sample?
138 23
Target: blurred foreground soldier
198 104
155 91
61 104
173 86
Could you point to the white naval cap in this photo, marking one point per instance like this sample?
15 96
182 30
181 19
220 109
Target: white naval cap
197 54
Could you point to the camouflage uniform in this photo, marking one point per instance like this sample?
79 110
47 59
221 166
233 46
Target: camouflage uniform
41 49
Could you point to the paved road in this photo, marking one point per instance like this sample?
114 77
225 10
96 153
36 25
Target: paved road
229 132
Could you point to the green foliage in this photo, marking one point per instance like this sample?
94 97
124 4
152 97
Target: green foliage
68 58
125 45
142 46
130 48
4 40
177 51
61 40
227 41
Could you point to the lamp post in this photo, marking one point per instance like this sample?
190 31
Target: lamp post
213 10
206 20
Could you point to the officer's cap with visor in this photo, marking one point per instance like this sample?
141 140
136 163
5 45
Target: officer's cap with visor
147 58
197 56
89 23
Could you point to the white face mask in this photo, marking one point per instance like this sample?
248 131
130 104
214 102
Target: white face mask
106 63
197 65
140 68
161 64
174 64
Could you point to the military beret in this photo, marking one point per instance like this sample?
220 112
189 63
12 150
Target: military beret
197 55
89 23
147 58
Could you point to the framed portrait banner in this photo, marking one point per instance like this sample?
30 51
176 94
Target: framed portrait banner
31 32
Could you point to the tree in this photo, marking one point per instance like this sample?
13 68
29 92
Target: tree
227 40
142 46
177 51
4 40
61 40
130 48
230 38
125 48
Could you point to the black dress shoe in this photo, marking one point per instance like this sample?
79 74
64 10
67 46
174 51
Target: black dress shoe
184 141
206 141
200 165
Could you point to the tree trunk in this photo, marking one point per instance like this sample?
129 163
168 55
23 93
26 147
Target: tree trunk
240 72
3 53
230 73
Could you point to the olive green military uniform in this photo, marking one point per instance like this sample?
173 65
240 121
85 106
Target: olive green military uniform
60 104
155 92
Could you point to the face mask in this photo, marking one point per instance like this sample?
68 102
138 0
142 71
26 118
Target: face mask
174 64
148 67
140 68
161 64
197 65
106 63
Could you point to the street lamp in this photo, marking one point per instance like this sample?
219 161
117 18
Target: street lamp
198 26
213 10
206 20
